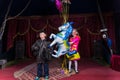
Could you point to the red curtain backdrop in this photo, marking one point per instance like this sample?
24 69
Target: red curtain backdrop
12 27
27 28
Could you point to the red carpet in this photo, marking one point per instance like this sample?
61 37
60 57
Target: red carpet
29 72
7 73
89 70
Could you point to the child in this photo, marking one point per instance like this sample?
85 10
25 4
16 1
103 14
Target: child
74 41
42 53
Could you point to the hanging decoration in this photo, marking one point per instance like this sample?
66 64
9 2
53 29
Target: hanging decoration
61 39
63 7
59 5
66 1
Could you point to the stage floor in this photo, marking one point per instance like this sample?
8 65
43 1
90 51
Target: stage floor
88 70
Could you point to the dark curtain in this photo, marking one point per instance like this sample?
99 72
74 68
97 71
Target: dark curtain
11 33
27 28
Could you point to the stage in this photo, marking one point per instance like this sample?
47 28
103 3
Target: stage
89 69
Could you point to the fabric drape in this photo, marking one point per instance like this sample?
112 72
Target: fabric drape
88 26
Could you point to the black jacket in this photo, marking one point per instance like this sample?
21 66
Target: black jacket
41 51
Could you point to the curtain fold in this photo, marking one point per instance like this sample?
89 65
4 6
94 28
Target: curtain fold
11 34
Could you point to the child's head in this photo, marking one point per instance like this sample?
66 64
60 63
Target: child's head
75 32
42 35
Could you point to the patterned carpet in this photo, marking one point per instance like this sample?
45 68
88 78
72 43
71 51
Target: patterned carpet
29 72
88 70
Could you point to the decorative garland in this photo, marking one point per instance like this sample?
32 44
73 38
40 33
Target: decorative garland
35 30
53 27
47 24
22 34
92 33
30 27
80 27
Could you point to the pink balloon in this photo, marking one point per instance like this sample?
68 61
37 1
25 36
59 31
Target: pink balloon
59 5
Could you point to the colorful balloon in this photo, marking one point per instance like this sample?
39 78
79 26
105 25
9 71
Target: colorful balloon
59 5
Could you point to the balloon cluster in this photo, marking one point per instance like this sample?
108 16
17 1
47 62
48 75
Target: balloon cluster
59 4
